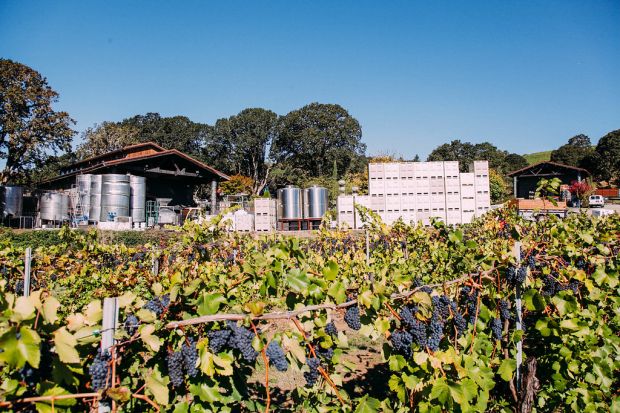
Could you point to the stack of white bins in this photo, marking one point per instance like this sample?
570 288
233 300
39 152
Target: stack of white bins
347 214
264 214
419 191
481 183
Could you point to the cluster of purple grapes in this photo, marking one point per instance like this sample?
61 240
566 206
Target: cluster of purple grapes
516 275
234 337
175 368
470 297
551 285
158 304
352 317
131 325
190 357
276 356
496 328
99 371
313 373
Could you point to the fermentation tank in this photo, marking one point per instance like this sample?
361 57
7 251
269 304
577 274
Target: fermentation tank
95 198
54 206
11 200
137 202
289 203
315 202
115 192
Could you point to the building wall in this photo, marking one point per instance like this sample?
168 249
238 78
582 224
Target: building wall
420 191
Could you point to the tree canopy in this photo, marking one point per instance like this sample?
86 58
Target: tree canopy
574 152
309 140
466 152
607 157
239 145
31 131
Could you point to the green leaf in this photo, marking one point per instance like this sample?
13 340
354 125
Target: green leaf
157 385
182 407
17 351
440 391
330 271
24 310
338 292
208 304
208 394
533 300
507 368
298 281
368 405
65 344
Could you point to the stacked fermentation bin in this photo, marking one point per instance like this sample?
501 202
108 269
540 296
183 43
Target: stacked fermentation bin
453 192
264 214
391 177
468 197
481 183
421 171
407 192
137 202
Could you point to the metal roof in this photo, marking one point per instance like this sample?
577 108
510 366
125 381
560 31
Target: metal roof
539 164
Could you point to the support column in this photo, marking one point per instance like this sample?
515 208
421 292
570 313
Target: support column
514 186
213 197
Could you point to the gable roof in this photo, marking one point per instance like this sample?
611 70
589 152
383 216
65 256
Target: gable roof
539 164
127 155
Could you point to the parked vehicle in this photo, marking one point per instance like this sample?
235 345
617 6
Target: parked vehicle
596 201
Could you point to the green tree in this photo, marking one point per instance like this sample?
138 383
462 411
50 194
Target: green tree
30 129
574 152
466 153
607 158
239 145
310 139
106 137
497 187
176 132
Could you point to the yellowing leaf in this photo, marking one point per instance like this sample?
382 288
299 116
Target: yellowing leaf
65 344
23 310
93 312
50 309
146 334
157 386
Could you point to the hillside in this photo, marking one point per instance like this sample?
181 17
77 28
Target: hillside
536 157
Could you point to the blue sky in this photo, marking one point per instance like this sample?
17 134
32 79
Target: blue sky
524 75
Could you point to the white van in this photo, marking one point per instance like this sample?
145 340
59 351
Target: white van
596 201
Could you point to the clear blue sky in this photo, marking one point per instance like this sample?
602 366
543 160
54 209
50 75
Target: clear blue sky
524 75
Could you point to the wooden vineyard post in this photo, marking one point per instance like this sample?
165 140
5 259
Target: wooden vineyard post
155 265
517 253
27 271
108 328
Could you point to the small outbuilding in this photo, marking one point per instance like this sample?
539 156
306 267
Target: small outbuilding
526 179
169 173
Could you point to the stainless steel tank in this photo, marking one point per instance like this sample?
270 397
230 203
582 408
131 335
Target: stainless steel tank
54 206
137 202
11 200
95 198
315 202
289 203
115 192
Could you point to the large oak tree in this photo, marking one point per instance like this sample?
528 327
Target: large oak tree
31 131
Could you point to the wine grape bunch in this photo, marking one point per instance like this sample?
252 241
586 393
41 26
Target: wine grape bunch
516 275
174 360
99 370
352 317
190 357
276 356
241 339
401 342
504 311
218 339
29 375
131 325
158 304
435 332
313 374
331 329
496 328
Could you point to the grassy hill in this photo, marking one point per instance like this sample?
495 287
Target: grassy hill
536 157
